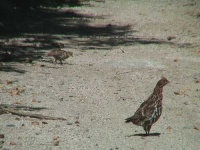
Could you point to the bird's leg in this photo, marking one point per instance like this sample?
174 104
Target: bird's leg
55 61
61 62
147 129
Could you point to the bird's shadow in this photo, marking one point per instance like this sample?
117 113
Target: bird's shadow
145 135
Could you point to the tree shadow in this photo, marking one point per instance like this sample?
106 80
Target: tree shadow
34 33
11 68
31 34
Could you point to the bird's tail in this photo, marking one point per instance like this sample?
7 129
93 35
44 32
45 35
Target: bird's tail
130 119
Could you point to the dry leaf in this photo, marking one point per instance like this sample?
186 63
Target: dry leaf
182 91
35 123
13 143
177 93
1 85
14 92
2 136
34 100
17 102
169 128
197 128
197 81
198 52
77 122
17 118
9 82
56 138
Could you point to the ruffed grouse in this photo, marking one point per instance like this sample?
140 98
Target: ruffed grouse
150 110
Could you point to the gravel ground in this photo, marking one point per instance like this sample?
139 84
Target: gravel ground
97 89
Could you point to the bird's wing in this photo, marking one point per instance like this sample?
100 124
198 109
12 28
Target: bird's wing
138 118
145 111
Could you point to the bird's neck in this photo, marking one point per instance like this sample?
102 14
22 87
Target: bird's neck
158 91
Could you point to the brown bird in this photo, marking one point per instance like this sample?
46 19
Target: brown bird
60 55
150 110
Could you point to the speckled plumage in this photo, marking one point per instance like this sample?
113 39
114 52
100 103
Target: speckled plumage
150 110
60 55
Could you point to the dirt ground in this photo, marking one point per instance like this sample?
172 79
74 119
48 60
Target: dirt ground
108 78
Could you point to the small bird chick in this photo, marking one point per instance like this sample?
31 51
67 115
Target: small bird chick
60 55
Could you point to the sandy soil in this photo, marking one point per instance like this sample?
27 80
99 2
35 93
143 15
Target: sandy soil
98 88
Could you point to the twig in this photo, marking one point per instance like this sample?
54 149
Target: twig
118 73
124 98
26 114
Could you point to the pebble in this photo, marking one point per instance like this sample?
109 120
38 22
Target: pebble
69 123
13 143
56 143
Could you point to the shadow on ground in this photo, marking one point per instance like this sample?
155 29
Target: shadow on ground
11 68
145 135
29 35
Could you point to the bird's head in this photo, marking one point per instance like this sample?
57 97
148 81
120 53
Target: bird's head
162 82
